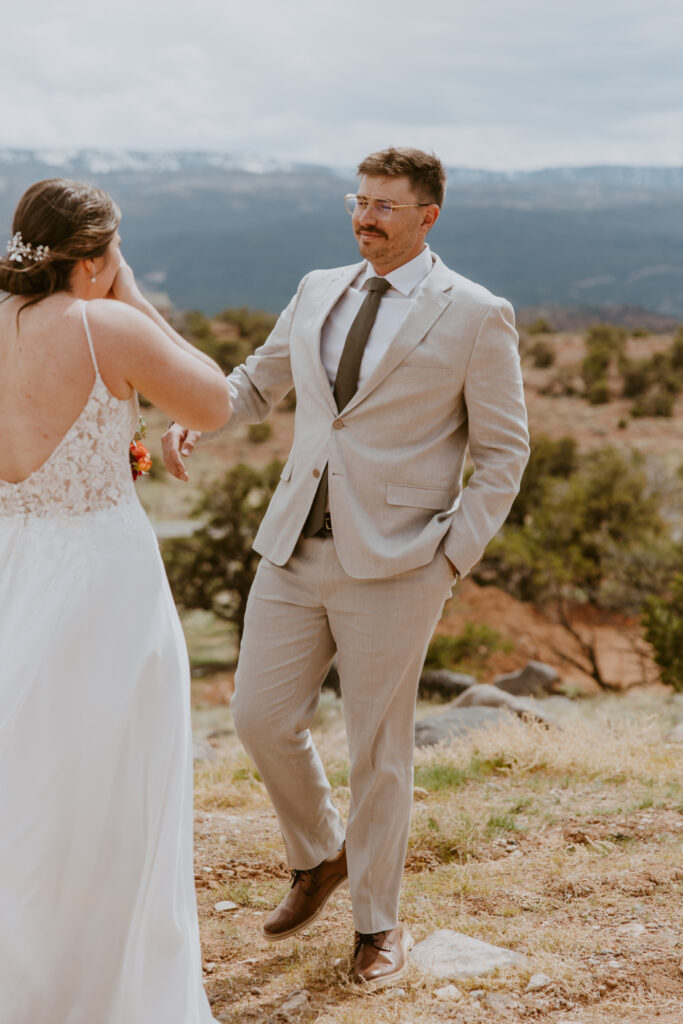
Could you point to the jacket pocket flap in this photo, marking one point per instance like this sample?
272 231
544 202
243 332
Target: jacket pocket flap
417 497
286 471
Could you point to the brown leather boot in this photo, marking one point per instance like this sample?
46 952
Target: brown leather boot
381 958
309 892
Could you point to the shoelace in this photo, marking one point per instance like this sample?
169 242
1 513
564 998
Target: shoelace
374 939
298 874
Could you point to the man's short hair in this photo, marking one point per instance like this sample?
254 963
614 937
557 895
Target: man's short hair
426 173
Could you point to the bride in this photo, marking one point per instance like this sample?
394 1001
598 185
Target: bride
98 919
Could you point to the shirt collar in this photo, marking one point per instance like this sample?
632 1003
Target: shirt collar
405 278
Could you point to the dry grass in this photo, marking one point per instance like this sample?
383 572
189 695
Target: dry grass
562 845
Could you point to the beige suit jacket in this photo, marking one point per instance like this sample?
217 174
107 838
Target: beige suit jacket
450 378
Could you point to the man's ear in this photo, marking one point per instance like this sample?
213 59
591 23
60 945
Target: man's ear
430 216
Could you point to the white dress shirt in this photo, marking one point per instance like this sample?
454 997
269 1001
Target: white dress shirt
393 309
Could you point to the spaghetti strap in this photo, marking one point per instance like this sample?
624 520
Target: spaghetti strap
89 337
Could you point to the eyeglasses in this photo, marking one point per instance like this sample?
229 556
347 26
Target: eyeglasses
382 208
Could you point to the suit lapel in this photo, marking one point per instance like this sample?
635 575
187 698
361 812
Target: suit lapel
321 306
424 312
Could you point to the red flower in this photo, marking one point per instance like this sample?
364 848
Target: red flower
140 459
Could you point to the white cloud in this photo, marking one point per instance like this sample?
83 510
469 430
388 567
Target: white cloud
496 83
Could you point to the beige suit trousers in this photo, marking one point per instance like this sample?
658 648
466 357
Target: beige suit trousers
298 616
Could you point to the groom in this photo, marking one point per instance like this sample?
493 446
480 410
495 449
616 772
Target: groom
400 365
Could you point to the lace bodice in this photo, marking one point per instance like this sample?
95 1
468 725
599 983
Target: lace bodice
89 470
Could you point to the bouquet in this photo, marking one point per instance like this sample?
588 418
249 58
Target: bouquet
140 459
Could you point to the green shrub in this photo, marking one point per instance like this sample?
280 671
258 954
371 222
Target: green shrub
582 534
259 432
215 567
542 354
636 376
540 326
471 647
598 393
676 351
659 402
606 336
564 382
246 330
197 326
594 367
663 622
664 374
548 460
253 325
604 343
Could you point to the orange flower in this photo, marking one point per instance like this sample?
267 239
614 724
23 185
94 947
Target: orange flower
140 459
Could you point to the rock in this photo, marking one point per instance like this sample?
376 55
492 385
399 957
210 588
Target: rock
295 1007
433 682
203 751
676 734
419 793
476 707
534 680
448 992
449 954
634 928
537 982
439 682
456 722
499 1002
484 695
225 905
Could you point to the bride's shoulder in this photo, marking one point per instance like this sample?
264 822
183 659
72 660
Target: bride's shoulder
114 321
111 313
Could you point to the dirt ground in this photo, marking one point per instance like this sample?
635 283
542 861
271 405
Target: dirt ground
563 845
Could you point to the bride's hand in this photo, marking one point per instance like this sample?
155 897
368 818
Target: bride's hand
125 287
175 442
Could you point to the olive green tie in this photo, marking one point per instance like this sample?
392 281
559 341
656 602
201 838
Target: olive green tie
346 382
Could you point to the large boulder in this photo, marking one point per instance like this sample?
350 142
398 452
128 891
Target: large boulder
484 695
454 723
477 707
534 680
440 682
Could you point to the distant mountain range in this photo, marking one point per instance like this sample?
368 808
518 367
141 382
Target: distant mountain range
213 230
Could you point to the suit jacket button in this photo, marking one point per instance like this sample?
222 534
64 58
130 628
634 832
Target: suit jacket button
316 472
338 424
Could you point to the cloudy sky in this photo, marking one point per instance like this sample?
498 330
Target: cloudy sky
501 84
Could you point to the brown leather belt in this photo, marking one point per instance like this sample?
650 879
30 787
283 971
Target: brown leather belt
326 529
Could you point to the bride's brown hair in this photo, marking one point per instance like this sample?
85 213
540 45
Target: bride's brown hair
75 220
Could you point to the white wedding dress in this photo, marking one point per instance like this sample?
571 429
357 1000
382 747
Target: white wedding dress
98 916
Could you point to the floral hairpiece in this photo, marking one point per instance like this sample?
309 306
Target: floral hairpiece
19 250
